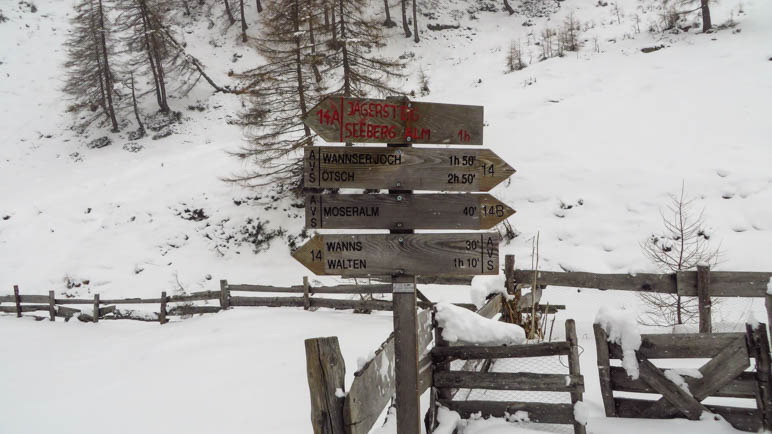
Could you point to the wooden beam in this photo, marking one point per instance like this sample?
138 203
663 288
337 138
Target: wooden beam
644 282
538 412
162 312
33 298
743 386
745 419
326 374
759 348
96 308
574 370
726 283
509 381
703 298
680 346
677 397
469 352
406 355
17 300
306 301
602 349
224 295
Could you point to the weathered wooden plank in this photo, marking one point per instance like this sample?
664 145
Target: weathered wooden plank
758 344
703 298
374 384
359 120
717 373
190 310
95 315
51 306
162 311
326 374
404 211
7 298
17 300
492 307
33 298
680 346
677 397
743 386
726 283
470 352
539 412
643 282
574 370
298 289
23 308
745 419
455 170
408 254
509 381
606 388
110 301
195 296
542 308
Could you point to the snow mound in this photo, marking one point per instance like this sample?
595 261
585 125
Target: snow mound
447 421
581 412
621 328
483 286
462 325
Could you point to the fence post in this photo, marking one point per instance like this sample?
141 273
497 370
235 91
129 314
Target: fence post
51 306
326 373
703 298
96 307
573 368
768 303
162 313
225 295
759 347
604 370
438 366
17 299
306 300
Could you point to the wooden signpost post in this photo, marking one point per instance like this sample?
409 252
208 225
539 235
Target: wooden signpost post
401 169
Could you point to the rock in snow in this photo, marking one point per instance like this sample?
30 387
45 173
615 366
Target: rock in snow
621 328
462 325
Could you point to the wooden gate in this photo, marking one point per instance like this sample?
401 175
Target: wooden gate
444 380
723 375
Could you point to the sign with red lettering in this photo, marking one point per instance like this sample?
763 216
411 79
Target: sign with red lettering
458 254
341 119
404 211
452 169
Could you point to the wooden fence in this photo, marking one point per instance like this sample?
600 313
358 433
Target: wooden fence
702 284
99 308
355 412
724 375
446 380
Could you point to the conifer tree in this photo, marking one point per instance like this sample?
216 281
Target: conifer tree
89 51
280 93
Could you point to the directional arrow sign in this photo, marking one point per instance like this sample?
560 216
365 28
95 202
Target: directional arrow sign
411 254
399 211
403 168
340 119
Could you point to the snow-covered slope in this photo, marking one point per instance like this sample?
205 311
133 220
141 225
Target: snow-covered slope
599 139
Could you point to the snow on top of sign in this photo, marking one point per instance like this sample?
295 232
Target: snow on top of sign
621 328
462 325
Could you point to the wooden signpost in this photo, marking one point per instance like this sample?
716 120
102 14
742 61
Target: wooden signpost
401 169
341 119
404 168
399 211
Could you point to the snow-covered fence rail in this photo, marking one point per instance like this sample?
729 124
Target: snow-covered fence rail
334 411
682 390
100 308
702 283
448 382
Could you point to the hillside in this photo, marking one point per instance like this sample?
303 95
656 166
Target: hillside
599 139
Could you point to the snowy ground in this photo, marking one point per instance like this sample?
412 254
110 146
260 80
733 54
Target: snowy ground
617 129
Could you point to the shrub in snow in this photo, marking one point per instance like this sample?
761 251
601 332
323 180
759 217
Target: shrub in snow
621 328
462 325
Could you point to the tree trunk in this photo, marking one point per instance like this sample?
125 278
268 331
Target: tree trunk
706 24
415 22
326 17
141 128
334 27
508 7
106 70
388 23
317 75
187 8
259 6
228 11
404 19
243 22
346 66
299 70
153 58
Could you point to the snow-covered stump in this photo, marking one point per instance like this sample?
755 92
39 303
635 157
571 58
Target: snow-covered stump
574 370
326 374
